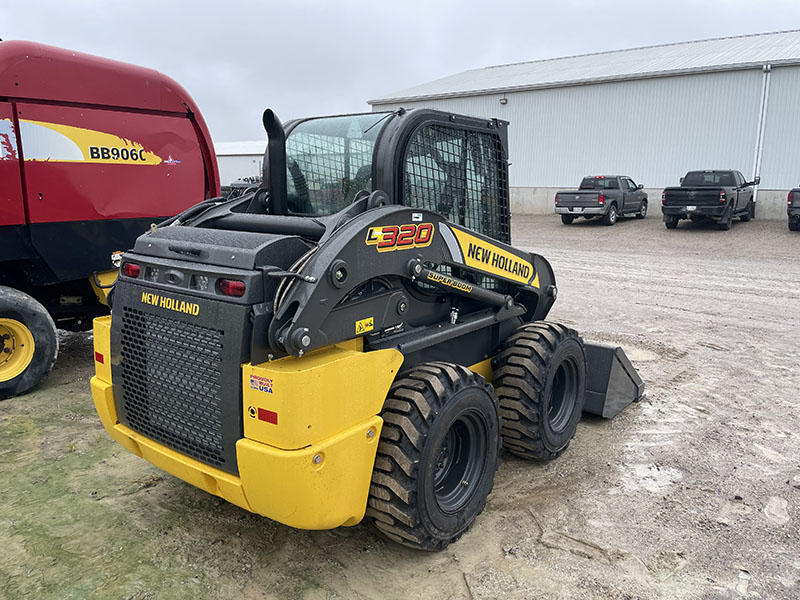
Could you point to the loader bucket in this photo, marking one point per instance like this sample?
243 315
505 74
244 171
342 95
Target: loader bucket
612 382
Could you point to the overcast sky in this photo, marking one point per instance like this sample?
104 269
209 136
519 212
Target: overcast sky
314 57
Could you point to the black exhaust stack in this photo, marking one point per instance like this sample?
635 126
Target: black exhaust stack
275 165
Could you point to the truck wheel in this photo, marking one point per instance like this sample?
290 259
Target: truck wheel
749 213
437 455
671 222
611 216
642 210
567 219
28 344
794 224
724 224
540 380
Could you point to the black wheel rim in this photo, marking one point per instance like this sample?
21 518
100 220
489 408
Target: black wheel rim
460 461
563 395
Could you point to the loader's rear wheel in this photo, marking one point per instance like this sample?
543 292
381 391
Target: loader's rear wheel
28 344
437 455
567 219
540 380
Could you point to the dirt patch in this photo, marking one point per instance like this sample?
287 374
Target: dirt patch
693 493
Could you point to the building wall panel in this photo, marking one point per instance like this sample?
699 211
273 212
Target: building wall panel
653 130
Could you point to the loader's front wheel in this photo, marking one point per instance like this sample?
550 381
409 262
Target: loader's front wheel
540 378
437 455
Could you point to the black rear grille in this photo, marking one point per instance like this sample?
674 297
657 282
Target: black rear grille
171 375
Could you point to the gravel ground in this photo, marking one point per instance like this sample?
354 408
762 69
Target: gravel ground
692 493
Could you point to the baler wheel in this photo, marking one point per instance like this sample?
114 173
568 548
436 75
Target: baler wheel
28 344
437 455
540 381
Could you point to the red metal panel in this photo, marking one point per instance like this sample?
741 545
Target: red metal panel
12 209
88 164
37 72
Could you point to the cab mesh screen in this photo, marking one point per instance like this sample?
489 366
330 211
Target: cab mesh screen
461 175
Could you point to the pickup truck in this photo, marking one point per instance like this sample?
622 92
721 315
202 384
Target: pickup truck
793 208
709 195
606 196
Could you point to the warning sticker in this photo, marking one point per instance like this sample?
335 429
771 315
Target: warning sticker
365 325
261 384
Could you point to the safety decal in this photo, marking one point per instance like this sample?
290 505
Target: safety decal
55 142
494 260
261 384
365 325
400 237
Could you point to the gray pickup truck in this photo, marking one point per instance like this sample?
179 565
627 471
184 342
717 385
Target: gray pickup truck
606 196
709 195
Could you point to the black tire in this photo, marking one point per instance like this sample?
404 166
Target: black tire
671 222
567 219
794 224
441 429
642 210
750 212
540 381
21 314
724 224
611 216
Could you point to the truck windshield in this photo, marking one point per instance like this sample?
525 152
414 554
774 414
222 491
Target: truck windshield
599 183
710 178
329 160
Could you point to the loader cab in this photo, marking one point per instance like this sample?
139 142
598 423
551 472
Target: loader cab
454 165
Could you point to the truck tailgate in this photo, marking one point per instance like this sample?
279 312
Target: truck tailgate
578 199
691 196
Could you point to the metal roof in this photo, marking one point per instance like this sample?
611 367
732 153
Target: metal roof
703 56
240 148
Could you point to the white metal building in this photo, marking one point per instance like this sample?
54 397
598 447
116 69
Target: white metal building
652 113
239 159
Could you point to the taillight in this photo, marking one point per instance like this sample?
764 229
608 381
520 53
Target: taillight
232 287
131 269
663 197
790 196
722 195
601 199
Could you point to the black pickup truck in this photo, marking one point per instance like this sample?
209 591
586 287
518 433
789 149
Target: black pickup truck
793 208
716 195
607 196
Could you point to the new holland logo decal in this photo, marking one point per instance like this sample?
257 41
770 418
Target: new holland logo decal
495 260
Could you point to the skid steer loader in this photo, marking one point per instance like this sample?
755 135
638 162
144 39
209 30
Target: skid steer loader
322 348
